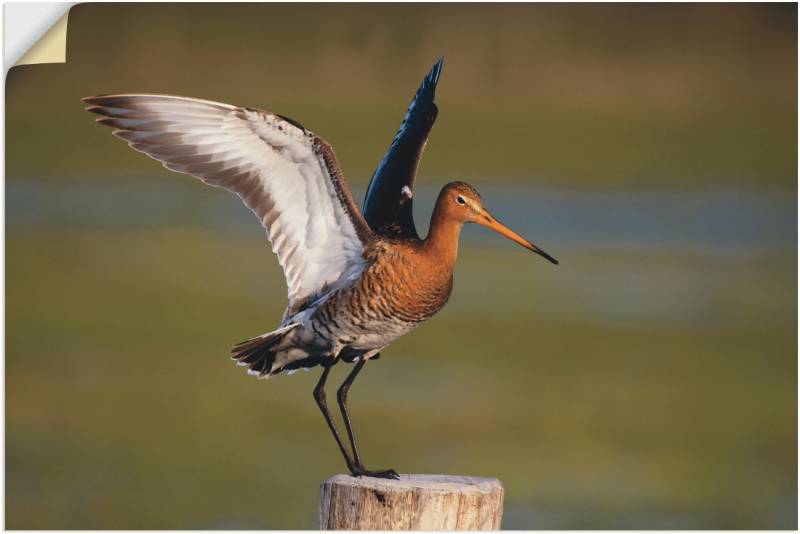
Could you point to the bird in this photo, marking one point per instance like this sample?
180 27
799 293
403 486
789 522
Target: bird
357 280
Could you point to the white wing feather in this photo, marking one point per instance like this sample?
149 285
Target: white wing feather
285 174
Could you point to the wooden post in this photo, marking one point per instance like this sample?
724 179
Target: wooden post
415 502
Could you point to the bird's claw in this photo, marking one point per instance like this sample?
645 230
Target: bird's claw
386 473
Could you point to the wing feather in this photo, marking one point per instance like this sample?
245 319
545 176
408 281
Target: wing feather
285 174
388 202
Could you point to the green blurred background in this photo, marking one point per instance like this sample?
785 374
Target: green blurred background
649 381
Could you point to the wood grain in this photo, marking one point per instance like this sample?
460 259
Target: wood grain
415 502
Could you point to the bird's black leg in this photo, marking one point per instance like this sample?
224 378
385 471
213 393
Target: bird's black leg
341 396
319 396
358 468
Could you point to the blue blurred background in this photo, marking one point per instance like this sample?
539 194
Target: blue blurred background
649 381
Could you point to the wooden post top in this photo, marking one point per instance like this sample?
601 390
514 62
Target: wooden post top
415 502
447 483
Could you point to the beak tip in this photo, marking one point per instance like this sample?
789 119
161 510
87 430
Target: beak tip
545 255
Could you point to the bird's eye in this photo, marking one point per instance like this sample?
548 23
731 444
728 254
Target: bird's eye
460 200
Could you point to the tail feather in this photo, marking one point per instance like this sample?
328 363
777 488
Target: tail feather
259 354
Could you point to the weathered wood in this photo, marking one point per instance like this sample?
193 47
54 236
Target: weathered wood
415 502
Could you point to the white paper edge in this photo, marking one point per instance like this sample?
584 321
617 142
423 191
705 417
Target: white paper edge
34 32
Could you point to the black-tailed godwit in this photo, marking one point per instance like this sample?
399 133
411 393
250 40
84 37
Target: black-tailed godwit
356 281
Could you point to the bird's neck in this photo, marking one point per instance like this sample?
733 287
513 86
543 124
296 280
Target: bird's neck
441 244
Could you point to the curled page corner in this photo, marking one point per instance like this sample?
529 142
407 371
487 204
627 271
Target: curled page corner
35 33
51 48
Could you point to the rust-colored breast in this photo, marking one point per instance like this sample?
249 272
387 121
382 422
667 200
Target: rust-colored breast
403 282
398 290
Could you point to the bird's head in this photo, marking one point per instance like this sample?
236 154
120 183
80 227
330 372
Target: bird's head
461 202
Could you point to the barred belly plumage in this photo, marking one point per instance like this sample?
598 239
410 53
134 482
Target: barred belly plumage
367 335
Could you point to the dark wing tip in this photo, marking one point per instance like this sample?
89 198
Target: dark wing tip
433 75
97 105
96 99
99 110
424 98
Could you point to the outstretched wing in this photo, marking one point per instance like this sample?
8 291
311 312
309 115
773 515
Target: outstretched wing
285 174
388 203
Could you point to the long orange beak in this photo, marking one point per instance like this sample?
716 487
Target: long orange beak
485 219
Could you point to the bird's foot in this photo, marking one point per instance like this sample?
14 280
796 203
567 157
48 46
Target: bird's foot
386 473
